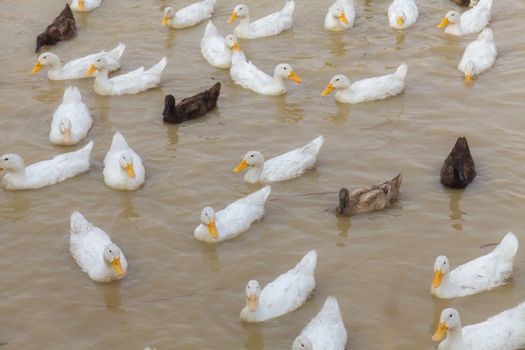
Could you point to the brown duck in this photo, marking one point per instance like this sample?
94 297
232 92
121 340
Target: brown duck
364 200
191 107
462 2
458 170
63 28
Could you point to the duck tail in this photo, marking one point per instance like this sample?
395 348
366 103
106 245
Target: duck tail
118 51
263 193
331 306
211 29
314 146
215 90
401 71
78 223
508 246
119 142
158 68
487 34
308 263
71 94
396 181
288 8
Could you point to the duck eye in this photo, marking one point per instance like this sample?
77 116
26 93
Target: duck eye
284 68
6 159
337 79
450 315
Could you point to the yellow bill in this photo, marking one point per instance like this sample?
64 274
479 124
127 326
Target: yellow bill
469 77
443 23
165 21
232 18
92 69
440 332
81 5
242 165
328 90
438 277
213 229
343 18
67 135
236 47
117 266
37 67
130 171
252 303
400 21
295 77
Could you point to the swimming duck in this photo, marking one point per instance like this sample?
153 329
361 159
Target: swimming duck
371 89
188 16
325 331
402 14
272 24
44 173
458 169
85 5
504 331
283 295
71 120
216 49
479 55
130 83
471 21
191 107
233 220
94 251
340 16
462 2
283 167
484 273
364 200
123 169
76 69
247 75
63 28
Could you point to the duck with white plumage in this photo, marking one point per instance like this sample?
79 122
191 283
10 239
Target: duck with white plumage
123 169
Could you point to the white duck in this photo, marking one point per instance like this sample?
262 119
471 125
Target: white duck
71 120
44 173
94 251
272 24
130 83
76 69
478 275
247 75
402 14
471 21
188 16
284 294
479 56
85 5
325 331
366 90
123 169
504 331
283 167
216 49
233 220
340 16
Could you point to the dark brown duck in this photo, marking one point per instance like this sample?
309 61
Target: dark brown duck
63 28
191 107
462 2
458 170
364 200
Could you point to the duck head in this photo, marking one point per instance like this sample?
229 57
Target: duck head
65 129
126 163
337 82
251 159
469 71
100 64
452 17
45 59
285 71
253 292
240 11
338 12
169 13
112 256
449 320
344 200
208 219
12 163
302 343
441 268
169 106
400 18
231 42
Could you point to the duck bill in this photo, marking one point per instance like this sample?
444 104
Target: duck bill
469 77
92 69
130 171
81 5
328 90
165 21
440 332
1 169
117 267
400 21
443 23
242 165
438 277
252 303
37 67
67 135
232 18
295 77
213 229
343 18
236 47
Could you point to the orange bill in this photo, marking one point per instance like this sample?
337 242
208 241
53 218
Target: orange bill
213 229
443 23
232 18
242 165
165 21
117 266
343 18
252 303
130 171
37 67
92 69
438 277
328 90
440 332
295 77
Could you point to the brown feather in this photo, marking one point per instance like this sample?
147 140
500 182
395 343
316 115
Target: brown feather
191 107
458 169
63 28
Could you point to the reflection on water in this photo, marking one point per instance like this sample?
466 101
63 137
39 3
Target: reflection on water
343 225
254 338
15 206
111 294
337 45
170 38
209 256
172 131
291 113
456 215
342 115
128 210
400 37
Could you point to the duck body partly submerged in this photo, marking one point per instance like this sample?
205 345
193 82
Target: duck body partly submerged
71 120
191 107
44 173
459 169
364 200
123 169
479 56
340 16
484 273
85 5
188 16
63 28
402 14
471 21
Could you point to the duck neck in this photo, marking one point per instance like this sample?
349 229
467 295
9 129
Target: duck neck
102 79
254 174
454 28
244 23
455 339
279 81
